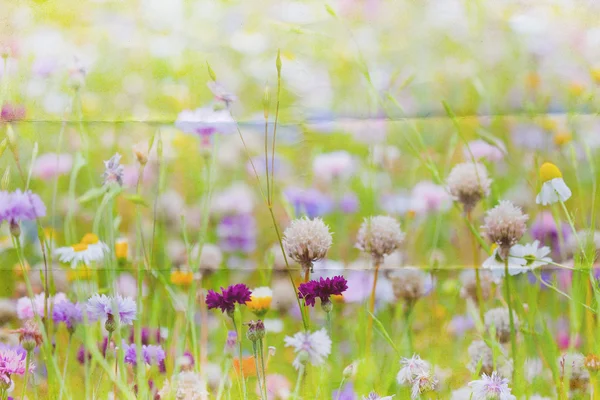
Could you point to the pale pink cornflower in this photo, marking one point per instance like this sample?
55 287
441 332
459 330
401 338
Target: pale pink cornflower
28 308
309 347
334 165
12 362
278 387
423 382
493 387
480 149
50 165
427 197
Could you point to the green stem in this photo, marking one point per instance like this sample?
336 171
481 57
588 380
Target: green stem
241 361
258 375
223 380
261 353
513 342
298 383
26 377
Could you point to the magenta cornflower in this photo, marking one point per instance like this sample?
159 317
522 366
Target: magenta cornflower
227 299
323 289
18 206
12 362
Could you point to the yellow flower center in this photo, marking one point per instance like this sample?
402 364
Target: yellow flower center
121 249
493 247
562 138
89 238
183 278
595 72
259 303
549 171
79 247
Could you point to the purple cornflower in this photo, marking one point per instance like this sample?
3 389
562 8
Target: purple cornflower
17 206
12 112
309 202
12 361
225 301
237 232
349 203
68 313
323 289
346 393
151 354
231 342
545 230
113 170
100 306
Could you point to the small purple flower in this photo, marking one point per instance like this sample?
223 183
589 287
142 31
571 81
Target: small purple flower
17 206
102 306
12 112
346 393
323 289
231 342
113 170
545 230
309 202
68 313
226 301
349 203
237 232
151 354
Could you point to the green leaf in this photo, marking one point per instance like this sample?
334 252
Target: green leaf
330 10
136 199
93 193
381 329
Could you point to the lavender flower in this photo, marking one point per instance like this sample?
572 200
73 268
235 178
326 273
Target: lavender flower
313 347
18 206
68 313
545 230
323 289
102 306
237 232
345 393
226 301
310 202
113 170
151 354
12 112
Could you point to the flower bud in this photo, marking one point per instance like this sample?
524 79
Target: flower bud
110 325
15 229
327 306
256 330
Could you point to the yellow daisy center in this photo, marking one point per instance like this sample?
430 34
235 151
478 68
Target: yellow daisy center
79 247
89 238
259 303
549 171
562 138
493 247
182 277
121 249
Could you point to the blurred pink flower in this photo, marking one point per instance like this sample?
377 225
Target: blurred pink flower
50 165
428 197
480 149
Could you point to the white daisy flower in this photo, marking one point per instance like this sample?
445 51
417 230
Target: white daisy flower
495 263
491 387
90 249
534 255
554 188
312 347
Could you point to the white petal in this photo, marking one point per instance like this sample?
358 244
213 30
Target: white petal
561 188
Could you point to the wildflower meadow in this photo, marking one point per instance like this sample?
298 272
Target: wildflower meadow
298 199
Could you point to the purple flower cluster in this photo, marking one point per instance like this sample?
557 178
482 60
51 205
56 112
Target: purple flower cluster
314 203
151 354
323 289
68 313
17 206
237 232
227 299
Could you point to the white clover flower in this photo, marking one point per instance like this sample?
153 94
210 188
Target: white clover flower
379 236
468 183
312 347
492 387
307 240
505 226
554 189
